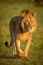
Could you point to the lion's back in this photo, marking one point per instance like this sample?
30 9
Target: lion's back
15 24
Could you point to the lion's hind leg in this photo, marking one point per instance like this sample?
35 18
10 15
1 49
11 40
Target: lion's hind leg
14 49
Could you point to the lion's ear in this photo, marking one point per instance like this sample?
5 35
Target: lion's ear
22 17
34 14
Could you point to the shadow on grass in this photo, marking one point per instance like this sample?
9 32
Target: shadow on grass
10 57
16 57
13 57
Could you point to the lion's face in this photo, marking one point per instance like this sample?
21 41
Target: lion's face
25 25
28 21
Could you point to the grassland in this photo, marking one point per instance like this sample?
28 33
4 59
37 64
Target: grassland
7 11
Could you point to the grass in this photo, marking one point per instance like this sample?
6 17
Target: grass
7 11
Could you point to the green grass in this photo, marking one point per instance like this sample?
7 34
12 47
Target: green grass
7 11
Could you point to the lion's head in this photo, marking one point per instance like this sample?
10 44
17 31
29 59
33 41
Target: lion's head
28 22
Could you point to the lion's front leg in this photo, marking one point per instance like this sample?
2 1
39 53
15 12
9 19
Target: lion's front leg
19 50
27 47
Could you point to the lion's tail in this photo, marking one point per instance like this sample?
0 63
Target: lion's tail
6 44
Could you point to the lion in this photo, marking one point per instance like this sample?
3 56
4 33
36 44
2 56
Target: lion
21 28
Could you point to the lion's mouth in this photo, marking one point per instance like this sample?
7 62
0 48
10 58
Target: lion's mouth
26 29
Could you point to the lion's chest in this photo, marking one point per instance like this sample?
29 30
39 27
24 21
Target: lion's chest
24 36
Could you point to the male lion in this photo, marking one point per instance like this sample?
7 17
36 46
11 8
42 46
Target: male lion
21 28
